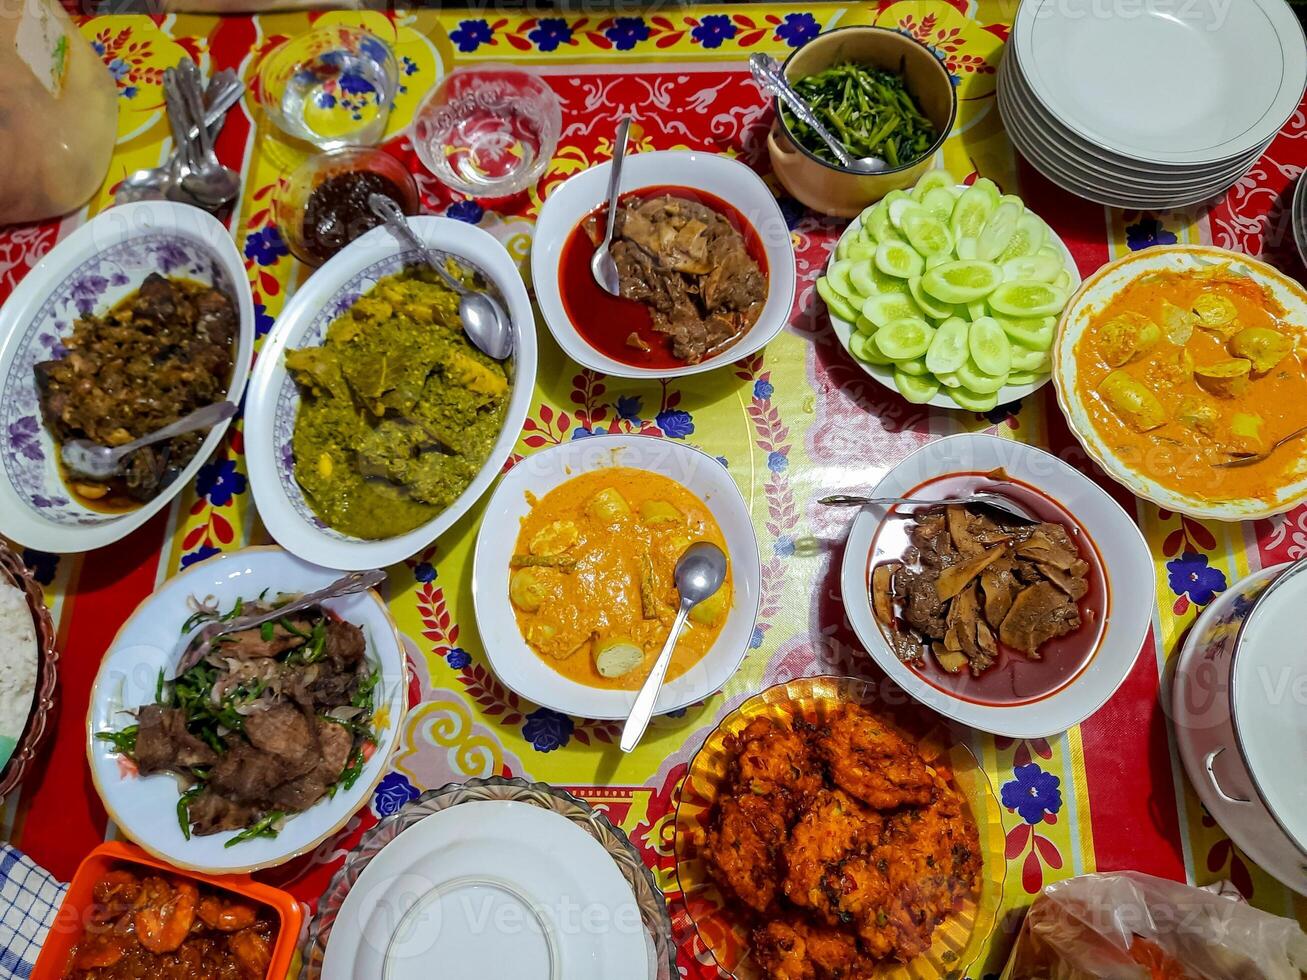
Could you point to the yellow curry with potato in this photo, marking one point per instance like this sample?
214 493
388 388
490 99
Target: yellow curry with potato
1184 370
592 578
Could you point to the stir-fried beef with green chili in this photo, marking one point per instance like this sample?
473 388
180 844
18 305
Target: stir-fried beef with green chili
868 109
273 719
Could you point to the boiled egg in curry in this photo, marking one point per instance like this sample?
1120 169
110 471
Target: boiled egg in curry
591 581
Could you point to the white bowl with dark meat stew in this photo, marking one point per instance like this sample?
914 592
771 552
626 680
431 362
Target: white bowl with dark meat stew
704 256
136 319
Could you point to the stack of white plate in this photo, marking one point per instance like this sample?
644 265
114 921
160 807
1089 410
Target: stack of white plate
1150 105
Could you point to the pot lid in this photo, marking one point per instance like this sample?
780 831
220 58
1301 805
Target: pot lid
1268 693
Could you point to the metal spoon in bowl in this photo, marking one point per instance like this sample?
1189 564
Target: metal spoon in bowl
485 322
97 462
982 498
1247 459
699 574
767 73
602 264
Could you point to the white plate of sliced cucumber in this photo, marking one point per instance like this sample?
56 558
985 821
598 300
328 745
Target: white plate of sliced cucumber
950 294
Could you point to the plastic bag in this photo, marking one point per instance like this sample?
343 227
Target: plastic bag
1132 926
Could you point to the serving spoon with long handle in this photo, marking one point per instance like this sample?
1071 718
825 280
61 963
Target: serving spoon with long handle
768 74
602 264
94 461
700 572
484 320
200 643
1247 459
994 501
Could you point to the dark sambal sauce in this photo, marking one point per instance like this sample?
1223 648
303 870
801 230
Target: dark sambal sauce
337 211
606 322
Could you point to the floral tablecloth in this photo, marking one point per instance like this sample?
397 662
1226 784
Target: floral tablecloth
796 419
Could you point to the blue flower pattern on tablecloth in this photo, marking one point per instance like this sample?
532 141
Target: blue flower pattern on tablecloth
471 34
41 564
778 462
392 794
219 482
198 555
549 33
713 29
675 423
762 388
784 546
1033 793
628 409
1147 232
469 211
547 730
266 245
798 29
263 320
792 211
424 571
755 641
584 432
627 32
1191 575
458 658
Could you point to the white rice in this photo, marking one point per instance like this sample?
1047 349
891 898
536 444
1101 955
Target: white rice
18 661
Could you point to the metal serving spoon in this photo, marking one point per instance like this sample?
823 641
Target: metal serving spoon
768 73
1247 459
90 459
602 264
208 181
152 183
485 322
994 501
699 574
201 642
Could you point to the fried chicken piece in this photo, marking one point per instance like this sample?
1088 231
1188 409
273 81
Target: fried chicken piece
833 828
792 949
773 759
871 761
741 848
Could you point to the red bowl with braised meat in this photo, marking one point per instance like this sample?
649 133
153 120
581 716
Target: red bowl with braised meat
127 914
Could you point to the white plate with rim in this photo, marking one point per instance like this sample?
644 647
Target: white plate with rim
519 667
884 374
1096 292
1122 553
1207 82
721 176
496 885
274 397
145 807
97 266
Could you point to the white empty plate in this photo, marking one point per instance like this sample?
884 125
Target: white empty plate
489 888
1188 83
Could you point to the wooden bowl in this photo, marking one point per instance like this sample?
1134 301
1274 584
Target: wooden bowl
827 187
15 573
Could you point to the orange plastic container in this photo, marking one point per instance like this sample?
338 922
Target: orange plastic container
67 927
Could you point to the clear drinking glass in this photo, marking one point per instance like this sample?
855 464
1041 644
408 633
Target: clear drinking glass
331 87
488 131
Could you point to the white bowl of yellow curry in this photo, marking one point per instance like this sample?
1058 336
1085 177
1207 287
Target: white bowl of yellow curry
373 424
572 580
1173 363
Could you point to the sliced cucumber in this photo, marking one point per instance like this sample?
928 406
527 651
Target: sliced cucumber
990 188
937 260
933 180
989 346
835 303
977 309
863 347
1040 267
966 248
926 233
837 274
899 259
939 202
1063 281
1024 377
998 231
932 307
861 278
1026 297
877 224
949 379
1028 239
888 307
948 348
964 281
900 209
971 211
916 367
842 246
978 381
1032 361
905 339
863 325
974 401
1032 334
917 390
861 251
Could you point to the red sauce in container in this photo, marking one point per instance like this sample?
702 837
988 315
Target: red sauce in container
605 322
1014 678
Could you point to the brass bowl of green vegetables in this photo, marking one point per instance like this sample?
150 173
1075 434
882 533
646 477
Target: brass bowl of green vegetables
882 94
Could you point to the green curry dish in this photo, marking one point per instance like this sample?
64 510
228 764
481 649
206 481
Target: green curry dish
398 410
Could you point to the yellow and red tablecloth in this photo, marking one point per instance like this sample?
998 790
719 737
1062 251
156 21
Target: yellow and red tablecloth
797 420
